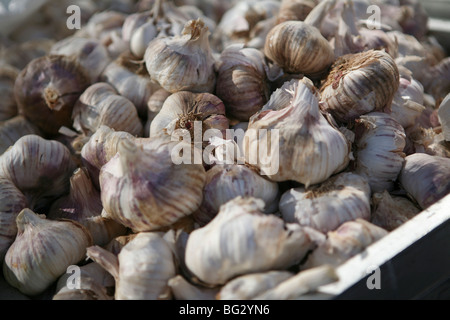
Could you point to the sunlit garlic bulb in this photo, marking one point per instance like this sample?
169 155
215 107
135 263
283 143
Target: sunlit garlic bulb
182 62
304 147
142 187
42 251
325 207
360 83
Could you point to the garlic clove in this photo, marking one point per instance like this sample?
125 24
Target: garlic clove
162 192
380 143
304 147
260 243
425 178
248 286
42 251
47 89
182 62
226 182
360 83
390 212
141 38
13 129
343 197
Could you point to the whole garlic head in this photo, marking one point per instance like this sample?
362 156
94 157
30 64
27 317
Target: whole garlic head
182 62
343 197
42 251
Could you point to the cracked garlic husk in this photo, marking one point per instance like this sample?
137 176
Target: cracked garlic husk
42 251
142 187
260 243
389 212
84 205
242 81
426 178
226 182
351 238
380 141
182 62
360 83
141 270
343 197
304 145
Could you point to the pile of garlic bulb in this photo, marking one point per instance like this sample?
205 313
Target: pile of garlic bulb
108 163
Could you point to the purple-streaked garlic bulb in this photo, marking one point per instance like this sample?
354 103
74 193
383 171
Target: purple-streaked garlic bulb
296 142
242 81
144 189
360 83
380 141
13 129
426 178
324 207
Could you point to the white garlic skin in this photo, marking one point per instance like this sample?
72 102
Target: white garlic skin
343 197
379 157
42 251
426 178
260 243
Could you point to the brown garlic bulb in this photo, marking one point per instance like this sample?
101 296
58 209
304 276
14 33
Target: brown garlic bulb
360 83
142 187
242 81
298 48
8 106
40 168
184 110
101 105
42 251
84 205
14 129
296 10
47 89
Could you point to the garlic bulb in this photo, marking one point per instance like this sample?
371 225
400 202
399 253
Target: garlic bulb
90 54
143 188
101 105
42 251
379 157
131 80
444 116
183 290
298 48
295 10
182 62
185 110
12 201
426 178
436 79
39 168
8 107
142 269
360 83
13 129
260 243
351 238
241 81
100 148
390 212
306 148
343 197
248 286
95 283
226 182
154 105
84 205
47 89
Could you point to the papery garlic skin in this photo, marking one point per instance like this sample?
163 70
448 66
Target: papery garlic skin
343 197
360 83
142 188
426 178
308 148
42 251
226 182
259 243
183 62
379 157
